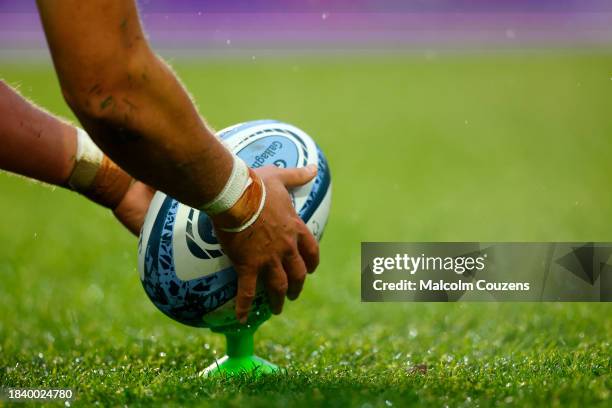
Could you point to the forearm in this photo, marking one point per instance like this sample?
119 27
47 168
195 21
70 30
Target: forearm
41 146
151 128
130 102
34 143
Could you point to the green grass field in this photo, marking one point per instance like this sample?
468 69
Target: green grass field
485 148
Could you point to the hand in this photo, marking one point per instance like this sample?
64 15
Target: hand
278 246
133 206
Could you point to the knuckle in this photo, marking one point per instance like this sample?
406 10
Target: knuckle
255 267
292 255
298 223
270 264
248 294
244 268
288 241
280 288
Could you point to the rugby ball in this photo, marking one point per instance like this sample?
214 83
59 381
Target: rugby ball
182 266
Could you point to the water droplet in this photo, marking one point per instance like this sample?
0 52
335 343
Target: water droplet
324 16
228 41
388 403
162 354
510 34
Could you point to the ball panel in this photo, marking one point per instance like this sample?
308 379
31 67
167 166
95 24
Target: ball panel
183 300
196 251
319 187
317 222
145 231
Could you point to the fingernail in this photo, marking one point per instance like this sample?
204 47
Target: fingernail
312 168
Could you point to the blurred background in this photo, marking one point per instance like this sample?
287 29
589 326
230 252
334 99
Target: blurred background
271 27
442 121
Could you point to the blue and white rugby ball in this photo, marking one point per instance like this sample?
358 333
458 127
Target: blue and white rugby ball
182 266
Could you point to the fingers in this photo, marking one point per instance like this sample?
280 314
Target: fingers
276 287
247 287
132 208
296 274
296 177
286 279
309 249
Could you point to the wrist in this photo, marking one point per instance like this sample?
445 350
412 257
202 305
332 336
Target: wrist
247 209
240 202
96 176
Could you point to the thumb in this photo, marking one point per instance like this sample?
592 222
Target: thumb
292 178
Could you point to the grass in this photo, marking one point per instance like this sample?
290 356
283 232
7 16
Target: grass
487 148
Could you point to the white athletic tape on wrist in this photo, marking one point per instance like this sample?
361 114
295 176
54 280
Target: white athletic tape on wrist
88 160
235 186
255 216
